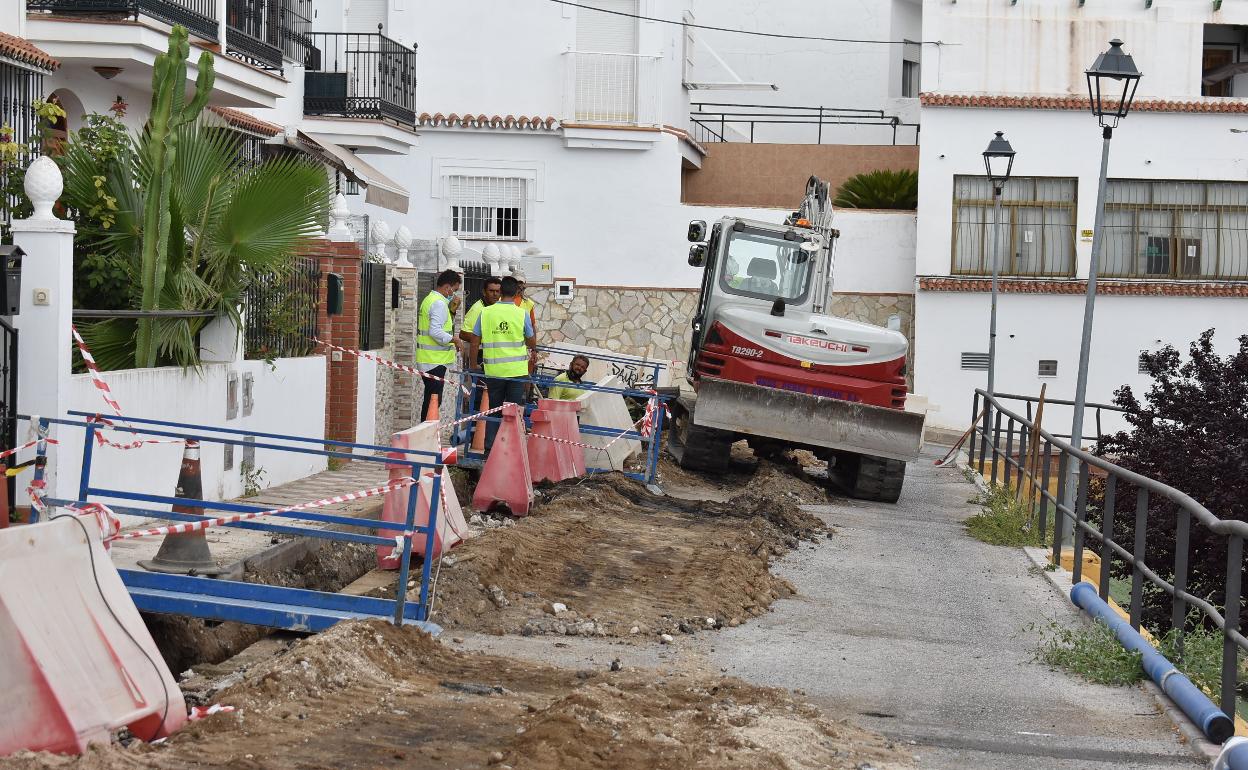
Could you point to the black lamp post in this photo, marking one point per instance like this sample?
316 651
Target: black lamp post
998 163
1112 81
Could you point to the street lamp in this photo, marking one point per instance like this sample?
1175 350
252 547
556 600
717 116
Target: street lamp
1112 81
998 163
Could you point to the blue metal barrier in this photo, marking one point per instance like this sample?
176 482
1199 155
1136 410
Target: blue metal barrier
653 443
257 604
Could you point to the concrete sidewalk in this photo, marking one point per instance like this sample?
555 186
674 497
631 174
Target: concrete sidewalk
907 625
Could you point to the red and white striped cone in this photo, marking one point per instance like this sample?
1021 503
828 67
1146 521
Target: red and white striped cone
186 552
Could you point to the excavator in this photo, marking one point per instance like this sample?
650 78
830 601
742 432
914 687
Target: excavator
768 364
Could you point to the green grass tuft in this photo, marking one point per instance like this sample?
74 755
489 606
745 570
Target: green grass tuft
1003 521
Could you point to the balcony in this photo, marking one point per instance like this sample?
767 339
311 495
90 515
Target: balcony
258 32
612 89
364 75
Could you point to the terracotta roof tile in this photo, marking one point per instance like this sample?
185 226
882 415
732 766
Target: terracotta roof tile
21 49
1078 286
240 119
468 120
1080 102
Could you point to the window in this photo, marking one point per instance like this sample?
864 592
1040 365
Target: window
909 79
975 361
1222 68
1036 236
1175 229
1047 368
487 207
760 265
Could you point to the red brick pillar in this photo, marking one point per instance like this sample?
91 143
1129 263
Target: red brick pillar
341 376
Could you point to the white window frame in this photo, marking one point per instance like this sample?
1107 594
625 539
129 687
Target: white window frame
486 213
530 173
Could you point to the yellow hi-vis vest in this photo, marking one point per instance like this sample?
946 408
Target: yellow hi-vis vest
429 350
502 341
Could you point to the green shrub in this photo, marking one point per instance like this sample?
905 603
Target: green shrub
883 189
1003 521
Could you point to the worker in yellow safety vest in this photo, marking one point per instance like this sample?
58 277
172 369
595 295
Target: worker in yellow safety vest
436 346
504 335
491 290
565 388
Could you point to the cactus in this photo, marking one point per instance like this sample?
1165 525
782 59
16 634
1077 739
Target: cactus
169 113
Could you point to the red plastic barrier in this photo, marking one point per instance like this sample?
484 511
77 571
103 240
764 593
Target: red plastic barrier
451 526
505 480
555 460
71 674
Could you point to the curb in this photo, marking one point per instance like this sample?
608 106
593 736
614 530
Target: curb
1060 580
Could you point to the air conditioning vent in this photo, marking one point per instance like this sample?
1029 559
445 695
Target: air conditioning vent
975 361
1048 368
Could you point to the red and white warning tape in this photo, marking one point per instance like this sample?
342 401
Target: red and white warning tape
647 419
394 364
193 526
107 394
472 417
27 445
201 712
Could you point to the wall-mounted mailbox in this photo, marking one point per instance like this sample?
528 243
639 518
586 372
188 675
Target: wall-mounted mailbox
11 291
333 294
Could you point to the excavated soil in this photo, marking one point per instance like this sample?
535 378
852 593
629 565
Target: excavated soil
626 563
369 695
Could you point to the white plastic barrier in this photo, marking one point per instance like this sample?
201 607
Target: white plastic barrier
607 410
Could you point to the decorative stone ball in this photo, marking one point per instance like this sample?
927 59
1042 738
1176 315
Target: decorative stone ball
43 185
381 231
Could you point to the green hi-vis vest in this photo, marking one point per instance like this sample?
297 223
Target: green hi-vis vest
502 340
429 350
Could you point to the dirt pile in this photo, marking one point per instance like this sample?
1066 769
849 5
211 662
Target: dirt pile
368 695
603 557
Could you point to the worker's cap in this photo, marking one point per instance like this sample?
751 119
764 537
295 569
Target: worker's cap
518 276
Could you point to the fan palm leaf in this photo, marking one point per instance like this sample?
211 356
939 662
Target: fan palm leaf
883 189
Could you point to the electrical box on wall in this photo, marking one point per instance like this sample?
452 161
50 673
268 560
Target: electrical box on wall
333 294
249 380
231 396
538 270
565 290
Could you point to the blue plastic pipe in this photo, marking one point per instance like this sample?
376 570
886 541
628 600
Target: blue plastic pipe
1216 726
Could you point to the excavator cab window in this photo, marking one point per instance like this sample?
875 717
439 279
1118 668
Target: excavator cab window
765 265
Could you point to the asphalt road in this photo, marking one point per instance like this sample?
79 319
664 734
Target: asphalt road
907 625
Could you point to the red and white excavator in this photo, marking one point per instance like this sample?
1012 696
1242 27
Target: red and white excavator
767 364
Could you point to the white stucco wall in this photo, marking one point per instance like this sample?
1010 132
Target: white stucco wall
1044 47
1033 327
289 399
366 402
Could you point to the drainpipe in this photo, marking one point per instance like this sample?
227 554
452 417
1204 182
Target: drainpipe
1216 726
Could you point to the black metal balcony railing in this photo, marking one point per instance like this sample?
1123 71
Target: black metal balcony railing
296 31
360 76
198 16
254 33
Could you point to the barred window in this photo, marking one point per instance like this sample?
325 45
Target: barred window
487 207
1037 231
1175 229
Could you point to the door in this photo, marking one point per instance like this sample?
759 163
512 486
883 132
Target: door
606 62
1213 59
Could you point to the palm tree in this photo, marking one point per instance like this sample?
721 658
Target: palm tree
883 189
228 222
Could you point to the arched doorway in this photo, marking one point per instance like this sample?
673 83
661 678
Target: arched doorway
74 112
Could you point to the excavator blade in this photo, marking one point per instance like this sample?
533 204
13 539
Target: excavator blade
800 418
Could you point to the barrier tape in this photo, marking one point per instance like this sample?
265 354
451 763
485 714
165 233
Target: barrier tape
602 448
107 394
647 419
201 712
395 365
27 445
472 417
194 526
398 539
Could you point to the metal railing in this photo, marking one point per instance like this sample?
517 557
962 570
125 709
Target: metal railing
198 16
374 302
360 75
713 122
612 88
19 88
255 32
280 312
1151 497
296 32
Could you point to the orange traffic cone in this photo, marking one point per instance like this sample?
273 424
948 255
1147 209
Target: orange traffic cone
478 430
186 552
432 414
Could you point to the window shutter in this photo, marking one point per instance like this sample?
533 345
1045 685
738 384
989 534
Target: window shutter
365 15
607 32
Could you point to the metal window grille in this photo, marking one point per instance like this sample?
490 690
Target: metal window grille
975 361
1047 368
487 207
1036 236
909 79
19 87
280 312
1175 229
373 299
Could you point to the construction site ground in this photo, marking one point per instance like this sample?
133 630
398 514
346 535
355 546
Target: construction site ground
746 620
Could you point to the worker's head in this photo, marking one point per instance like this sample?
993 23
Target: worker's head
448 282
578 367
492 289
520 284
508 288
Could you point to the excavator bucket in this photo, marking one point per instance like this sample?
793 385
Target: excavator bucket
801 418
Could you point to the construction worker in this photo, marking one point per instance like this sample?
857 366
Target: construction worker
523 302
574 374
490 292
504 334
436 346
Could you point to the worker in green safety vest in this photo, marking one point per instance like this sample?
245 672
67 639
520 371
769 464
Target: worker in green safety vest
564 387
491 289
505 337
436 346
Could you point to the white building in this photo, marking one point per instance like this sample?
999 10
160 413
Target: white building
1175 259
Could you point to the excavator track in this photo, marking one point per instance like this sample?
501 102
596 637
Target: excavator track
868 478
697 448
